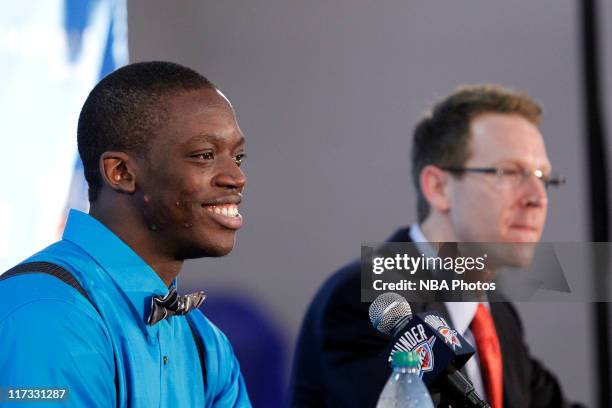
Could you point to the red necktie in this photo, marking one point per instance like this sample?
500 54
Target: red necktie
489 353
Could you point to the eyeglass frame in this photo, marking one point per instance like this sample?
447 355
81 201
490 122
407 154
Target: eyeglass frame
554 179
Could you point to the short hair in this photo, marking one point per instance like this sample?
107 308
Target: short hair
442 136
125 109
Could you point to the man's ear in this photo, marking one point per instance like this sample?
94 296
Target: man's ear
117 170
434 186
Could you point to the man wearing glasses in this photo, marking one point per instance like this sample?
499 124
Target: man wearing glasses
481 174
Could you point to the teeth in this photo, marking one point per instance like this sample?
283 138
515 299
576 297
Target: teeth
228 211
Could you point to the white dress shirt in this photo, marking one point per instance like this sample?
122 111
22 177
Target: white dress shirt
460 313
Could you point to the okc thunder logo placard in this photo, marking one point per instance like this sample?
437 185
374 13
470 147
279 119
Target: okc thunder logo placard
426 357
450 337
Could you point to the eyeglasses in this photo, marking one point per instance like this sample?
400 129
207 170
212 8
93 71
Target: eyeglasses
514 177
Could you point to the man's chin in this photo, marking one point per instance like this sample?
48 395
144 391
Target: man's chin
219 251
208 250
523 236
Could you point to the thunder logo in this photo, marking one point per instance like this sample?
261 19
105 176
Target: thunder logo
426 357
423 350
449 335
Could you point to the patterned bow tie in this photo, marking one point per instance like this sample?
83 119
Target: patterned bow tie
172 304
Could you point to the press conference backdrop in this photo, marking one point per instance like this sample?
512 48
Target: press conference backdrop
327 95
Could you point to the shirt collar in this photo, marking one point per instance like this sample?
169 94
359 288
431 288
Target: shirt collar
128 270
460 313
421 241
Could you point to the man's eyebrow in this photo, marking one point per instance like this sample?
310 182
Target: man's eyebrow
520 163
204 137
212 138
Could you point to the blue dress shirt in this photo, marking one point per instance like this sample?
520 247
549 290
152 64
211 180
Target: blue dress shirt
52 337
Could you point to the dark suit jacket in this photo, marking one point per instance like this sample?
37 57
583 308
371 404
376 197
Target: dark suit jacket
340 359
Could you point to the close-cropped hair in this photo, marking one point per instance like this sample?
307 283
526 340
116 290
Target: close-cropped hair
442 136
125 109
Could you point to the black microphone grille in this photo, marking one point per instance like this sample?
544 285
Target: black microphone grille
387 310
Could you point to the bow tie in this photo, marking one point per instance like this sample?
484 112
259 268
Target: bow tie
172 304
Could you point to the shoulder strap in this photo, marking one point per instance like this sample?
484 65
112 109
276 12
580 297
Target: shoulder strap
67 277
48 268
201 350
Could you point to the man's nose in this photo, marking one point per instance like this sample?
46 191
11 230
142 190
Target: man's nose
230 175
535 192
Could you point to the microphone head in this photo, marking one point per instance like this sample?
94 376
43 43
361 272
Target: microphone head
387 310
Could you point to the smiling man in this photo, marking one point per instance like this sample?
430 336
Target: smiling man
95 319
481 170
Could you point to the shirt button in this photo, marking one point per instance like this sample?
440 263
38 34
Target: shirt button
165 360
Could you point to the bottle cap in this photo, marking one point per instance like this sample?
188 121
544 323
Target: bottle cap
405 359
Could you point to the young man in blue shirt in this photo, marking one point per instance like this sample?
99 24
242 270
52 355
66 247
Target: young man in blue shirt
162 150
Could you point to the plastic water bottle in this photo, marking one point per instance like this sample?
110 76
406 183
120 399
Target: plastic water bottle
405 389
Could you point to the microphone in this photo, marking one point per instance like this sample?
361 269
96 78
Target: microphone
442 351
